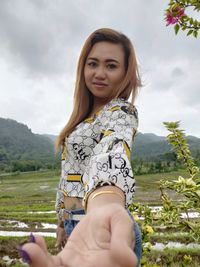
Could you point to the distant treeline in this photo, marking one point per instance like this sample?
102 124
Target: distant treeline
21 151
29 165
165 163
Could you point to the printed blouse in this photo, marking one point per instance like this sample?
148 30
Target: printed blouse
98 153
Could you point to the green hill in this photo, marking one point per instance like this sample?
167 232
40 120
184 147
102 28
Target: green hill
150 147
21 149
19 146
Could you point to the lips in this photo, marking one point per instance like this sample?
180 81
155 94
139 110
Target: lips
99 84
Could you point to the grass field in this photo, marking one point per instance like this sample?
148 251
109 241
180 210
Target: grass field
25 194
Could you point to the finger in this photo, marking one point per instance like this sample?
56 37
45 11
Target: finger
122 239
122 227
35 255
41 243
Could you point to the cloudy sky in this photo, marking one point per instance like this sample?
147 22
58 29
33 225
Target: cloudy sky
40 42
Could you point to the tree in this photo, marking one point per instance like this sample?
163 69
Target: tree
176 14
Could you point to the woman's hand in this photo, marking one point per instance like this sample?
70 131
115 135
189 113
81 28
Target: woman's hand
61 238
104 237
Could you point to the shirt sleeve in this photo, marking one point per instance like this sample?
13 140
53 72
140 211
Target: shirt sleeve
110 163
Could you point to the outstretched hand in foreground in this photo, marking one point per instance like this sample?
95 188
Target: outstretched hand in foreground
103 238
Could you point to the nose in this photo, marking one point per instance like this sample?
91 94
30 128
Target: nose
100 73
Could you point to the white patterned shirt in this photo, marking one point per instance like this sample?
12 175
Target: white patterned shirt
98 153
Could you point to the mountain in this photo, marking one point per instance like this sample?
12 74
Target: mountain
17 142
147 138
149 146
51 137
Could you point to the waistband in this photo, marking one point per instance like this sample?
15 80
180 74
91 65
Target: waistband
77 214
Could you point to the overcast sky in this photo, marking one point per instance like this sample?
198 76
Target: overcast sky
40 42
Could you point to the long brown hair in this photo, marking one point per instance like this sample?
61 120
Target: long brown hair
83 99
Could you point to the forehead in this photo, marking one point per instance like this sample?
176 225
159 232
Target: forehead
106 50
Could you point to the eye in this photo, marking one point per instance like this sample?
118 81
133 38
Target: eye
111 66
92 64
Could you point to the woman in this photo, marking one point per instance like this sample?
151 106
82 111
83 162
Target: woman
96 169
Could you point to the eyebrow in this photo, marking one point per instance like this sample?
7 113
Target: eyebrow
107 60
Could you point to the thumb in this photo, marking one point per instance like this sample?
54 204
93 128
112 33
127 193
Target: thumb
122 239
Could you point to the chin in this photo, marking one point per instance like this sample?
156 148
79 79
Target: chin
101 96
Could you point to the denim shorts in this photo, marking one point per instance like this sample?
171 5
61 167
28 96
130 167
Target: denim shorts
70 224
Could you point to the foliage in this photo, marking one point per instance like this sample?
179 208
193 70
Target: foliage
176 15
166 163
188 190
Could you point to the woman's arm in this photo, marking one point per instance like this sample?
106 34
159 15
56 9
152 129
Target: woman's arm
110 163
61 236
105 195
104 237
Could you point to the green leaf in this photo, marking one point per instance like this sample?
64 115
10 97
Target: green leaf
195 23
191 21
189 32
184 18
176 28
195 34
184 28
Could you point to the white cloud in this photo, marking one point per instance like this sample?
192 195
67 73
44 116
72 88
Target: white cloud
40 42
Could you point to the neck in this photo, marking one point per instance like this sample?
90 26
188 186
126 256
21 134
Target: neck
98 104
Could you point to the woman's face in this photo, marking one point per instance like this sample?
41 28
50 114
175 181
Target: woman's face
104 69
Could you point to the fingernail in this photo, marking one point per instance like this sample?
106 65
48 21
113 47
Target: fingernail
24 255
32 238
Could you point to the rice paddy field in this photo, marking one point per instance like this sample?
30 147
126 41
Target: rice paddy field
27 205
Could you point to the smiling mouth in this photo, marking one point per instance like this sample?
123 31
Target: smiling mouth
100 85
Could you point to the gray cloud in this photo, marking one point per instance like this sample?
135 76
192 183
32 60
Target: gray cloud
40 41
41 34
177 72
39 37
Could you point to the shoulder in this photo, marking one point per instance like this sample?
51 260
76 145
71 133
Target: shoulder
119 111
120 105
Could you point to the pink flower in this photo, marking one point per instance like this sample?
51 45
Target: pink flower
170 19
173 15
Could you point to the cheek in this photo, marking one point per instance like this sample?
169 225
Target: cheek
118 78
87 75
